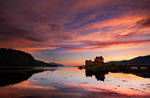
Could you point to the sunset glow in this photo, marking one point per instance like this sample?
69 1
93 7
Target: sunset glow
71 31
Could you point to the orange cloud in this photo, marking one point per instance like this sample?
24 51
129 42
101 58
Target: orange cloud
94 45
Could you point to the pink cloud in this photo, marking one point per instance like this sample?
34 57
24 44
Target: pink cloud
74 26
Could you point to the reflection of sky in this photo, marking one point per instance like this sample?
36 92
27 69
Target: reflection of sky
73 82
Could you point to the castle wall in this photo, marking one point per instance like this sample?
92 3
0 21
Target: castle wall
88 62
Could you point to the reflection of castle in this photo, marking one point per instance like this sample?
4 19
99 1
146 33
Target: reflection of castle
99 75
98 61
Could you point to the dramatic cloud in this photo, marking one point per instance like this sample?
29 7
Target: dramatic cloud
144 22
73 26
98 44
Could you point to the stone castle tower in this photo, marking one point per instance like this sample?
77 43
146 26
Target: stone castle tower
98 61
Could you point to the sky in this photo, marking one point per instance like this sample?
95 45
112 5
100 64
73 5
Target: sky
71 31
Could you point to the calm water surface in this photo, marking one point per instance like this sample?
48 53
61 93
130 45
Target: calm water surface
70 82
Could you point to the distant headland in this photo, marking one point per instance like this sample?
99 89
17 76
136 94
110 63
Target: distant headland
141 60
16 58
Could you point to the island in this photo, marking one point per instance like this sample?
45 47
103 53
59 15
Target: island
139 66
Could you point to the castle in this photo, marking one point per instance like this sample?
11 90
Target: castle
98 61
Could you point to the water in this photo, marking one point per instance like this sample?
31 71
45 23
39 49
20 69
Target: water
70 82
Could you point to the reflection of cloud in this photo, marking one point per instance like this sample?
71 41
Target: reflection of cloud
27 84
107 89
27 89
111 88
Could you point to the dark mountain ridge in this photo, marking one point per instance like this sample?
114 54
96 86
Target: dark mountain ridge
57 64
141 60
10 57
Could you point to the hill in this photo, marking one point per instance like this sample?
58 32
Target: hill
56 64
10 57
141 60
